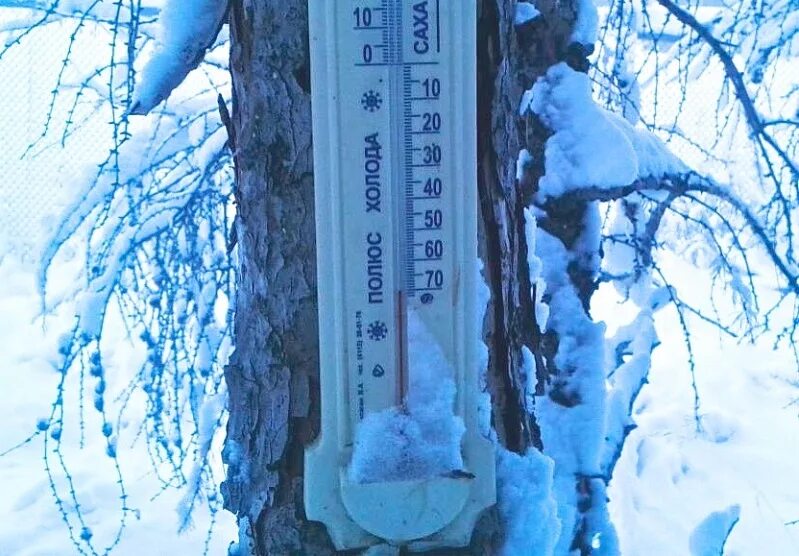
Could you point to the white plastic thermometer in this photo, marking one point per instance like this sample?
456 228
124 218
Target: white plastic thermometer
394 118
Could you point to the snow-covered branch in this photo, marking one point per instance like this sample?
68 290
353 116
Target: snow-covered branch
682 186
187 29
735 76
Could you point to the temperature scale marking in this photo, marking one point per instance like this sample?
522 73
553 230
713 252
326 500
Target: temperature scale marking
399 68
395 165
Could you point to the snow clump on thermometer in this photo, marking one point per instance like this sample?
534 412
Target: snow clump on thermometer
423 438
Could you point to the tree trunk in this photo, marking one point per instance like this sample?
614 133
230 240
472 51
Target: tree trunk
273 376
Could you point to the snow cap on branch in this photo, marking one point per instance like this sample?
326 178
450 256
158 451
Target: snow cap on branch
591 147
585 28
525 12
187 28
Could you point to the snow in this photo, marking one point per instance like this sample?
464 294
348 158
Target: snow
33 525
591 147
526 505
710 536
34 191
210 412
535 266
585 28
670 481
571 415
422 438
523 161
743 452
525 12
670 476
628 361
187 28
483 294
91 311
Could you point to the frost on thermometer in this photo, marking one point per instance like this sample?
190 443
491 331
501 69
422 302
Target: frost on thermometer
400 457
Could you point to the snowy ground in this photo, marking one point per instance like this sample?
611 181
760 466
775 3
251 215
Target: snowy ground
670 477
31 524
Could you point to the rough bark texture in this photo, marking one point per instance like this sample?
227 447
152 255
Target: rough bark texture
273 376
515 57
510 60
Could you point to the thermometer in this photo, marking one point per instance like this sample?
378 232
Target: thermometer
394 118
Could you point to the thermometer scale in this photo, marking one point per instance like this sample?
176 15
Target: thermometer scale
394 121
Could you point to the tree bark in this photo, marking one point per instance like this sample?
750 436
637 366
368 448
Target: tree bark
510 60
272 377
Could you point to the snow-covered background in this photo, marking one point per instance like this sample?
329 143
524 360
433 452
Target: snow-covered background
35 187
671 477
743 463
31 523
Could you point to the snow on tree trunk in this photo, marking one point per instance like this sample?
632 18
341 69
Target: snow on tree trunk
568 422
273 376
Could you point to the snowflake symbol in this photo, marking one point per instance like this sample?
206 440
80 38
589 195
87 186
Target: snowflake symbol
377 331
371 101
